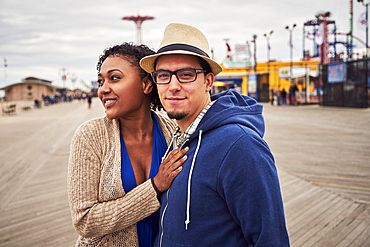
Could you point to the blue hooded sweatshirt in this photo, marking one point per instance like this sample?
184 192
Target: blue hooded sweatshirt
228 193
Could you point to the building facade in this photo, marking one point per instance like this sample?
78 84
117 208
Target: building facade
264 79
30 88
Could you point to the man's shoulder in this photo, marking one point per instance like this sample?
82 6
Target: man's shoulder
235 129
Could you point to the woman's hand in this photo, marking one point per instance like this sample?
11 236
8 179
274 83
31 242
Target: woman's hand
170 168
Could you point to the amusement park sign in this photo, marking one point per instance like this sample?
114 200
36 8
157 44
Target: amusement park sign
236 64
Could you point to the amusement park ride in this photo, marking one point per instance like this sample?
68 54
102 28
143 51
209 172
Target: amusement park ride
138 21
321 28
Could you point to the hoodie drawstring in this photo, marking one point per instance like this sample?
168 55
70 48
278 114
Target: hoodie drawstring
187 221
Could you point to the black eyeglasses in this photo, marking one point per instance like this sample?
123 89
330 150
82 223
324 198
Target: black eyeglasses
183 75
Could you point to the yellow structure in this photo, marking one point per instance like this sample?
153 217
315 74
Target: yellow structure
269 73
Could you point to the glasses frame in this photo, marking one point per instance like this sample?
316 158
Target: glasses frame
175 73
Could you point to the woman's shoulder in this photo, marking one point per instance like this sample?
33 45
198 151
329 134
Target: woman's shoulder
96 125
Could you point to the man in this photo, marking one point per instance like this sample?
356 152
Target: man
228 192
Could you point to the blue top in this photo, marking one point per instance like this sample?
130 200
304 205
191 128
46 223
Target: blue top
228 192
147 229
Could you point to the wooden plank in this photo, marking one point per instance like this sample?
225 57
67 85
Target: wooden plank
306 216
360 234
340 231
321 225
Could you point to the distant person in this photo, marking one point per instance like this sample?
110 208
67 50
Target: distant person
89 99
228 193
283 97
115 168
278 96
292 94
37 103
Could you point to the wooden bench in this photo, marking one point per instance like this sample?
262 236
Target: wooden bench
26 108
10 110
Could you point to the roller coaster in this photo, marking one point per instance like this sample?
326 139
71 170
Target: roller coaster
318 31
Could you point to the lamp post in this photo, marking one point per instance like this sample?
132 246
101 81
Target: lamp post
291 47
367 44
268 49
255 50
366 5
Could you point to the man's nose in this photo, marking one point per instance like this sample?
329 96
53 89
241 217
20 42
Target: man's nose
174 83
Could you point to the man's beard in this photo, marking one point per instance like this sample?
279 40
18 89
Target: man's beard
177 116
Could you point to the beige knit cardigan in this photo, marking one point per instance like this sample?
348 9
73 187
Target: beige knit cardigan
102 213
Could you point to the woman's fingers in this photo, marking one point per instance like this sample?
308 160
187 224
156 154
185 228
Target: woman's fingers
175 159
170 168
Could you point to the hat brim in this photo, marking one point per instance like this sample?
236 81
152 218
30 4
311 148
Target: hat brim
147 63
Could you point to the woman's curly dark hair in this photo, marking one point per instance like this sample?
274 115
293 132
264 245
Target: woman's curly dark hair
133 53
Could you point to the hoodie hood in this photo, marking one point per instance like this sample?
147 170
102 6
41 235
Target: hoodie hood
233 108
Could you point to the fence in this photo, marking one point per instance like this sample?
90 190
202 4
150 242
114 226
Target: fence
345 84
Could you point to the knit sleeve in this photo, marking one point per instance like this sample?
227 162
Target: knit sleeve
93 217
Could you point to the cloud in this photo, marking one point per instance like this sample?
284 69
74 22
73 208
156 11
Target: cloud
40 37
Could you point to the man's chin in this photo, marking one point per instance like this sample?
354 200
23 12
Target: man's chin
177 115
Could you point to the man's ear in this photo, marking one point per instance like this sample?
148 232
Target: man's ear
147 85
210 78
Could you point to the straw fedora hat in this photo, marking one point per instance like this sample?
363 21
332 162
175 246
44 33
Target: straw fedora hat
181 39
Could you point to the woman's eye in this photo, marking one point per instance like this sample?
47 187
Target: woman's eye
100 83
113 78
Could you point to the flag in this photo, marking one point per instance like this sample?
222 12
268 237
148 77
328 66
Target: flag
228 47
5 64
362 21
228 56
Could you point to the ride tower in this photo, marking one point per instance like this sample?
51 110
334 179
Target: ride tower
138 21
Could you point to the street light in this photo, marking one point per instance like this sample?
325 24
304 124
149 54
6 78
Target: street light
291 46
255 50
367 55
366 5
268 49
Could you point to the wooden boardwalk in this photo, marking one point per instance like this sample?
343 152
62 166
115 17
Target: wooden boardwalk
323 158
322 155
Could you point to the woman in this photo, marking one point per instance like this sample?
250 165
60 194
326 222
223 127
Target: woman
115 172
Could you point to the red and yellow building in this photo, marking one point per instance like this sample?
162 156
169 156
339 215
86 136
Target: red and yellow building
269 76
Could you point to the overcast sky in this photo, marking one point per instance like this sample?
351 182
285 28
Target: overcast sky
40 37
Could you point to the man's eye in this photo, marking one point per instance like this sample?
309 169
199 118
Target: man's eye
186 74
163 76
